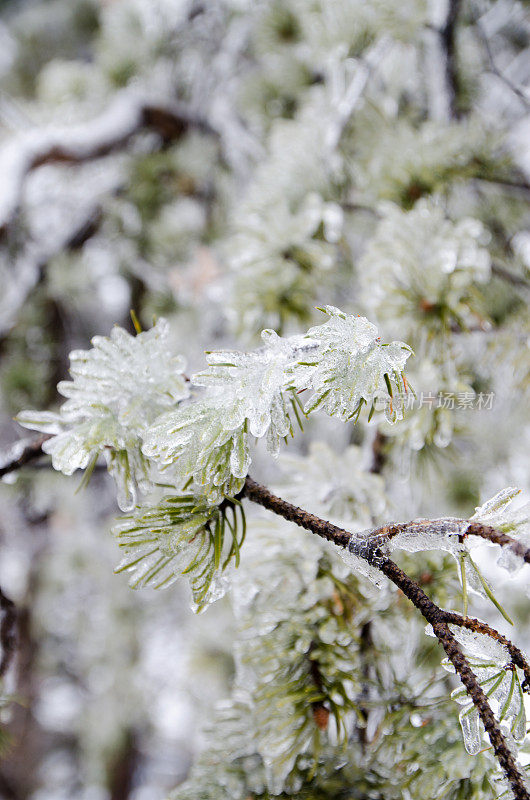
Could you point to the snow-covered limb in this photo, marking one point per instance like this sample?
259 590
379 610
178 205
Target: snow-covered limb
129 113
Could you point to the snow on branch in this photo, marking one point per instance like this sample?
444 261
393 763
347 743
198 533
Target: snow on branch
128 114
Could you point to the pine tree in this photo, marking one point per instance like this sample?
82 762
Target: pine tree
231 166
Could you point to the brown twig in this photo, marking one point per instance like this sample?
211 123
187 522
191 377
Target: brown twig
430 611
319 709
497 537
477 626
518 184
379 454
24 455
8 637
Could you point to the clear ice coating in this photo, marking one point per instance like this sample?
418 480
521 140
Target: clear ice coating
256 383
245 395
423 534
443 534
363 554
350 367
494 507
162 542
490 661
202 440
119 387
515 522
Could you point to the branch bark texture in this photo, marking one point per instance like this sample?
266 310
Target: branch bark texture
430 611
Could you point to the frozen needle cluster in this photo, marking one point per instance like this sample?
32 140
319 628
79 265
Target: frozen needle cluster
118 388
130 401
419 266
498 677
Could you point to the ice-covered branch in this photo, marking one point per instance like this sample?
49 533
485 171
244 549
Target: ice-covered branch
477 626
129 113
494 69
22 453
430 611
497 537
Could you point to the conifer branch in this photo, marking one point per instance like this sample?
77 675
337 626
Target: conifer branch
509 277
430 611
437 617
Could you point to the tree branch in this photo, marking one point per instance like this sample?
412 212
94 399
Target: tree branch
8 637
391 530
448 40
126 116
437 617
518 184
475 625
22 453
494 69
497 537
509 277
430 611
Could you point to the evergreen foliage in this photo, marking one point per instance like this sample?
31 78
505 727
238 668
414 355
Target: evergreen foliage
221 168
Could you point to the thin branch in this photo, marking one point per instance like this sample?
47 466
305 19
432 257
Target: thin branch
31 263
319 709
494 69
379 454
128 115
480 701
430 611
8 637
448 40
22 453
475 625
497 537
509 277
262 496
519 184
390 530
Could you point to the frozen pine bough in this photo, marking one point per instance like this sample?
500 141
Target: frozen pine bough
118 389
185 444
